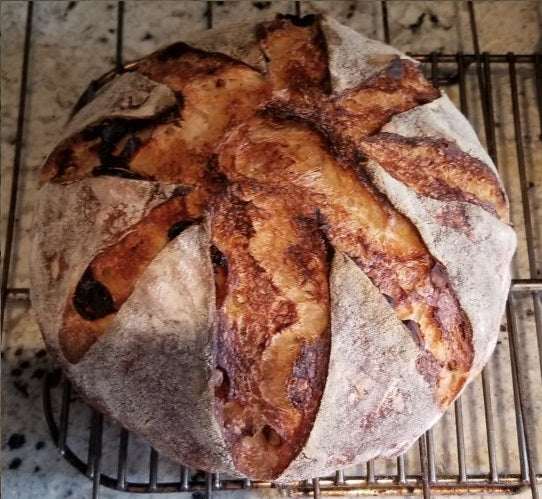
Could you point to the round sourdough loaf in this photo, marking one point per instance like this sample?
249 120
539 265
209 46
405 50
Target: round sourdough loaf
272 251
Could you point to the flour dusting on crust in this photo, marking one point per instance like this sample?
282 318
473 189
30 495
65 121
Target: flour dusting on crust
479 274
372 374
162 341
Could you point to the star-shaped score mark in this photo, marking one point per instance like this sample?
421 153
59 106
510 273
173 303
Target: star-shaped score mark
275 161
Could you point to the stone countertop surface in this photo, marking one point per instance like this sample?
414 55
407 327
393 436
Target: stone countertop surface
73 42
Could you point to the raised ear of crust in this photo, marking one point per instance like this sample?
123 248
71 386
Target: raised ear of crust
352 57
374 391
73 223
152 370
474 247
440 119
237 41
130 96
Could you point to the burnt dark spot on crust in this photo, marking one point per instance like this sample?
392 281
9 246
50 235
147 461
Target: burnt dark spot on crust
92 299
174 51
271 436
260 32
216 179
99 171
452 365
111 133
306 221
157 65
179 98
129 149
178 227
357 162
414 329
181 190
220 269
91 132
330 249
395 70
303 374
429 367
302 22
389 299
65 160
217 257
323 229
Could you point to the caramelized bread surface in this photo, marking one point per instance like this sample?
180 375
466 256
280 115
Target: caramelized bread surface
274 163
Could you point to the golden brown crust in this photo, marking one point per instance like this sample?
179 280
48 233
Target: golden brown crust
275 164
212 104
111 276
363 225
400 86
296 55
437 169
179 64
273 335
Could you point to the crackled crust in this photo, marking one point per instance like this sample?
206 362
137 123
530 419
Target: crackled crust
260 227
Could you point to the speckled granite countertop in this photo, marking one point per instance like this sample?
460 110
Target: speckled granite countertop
73 42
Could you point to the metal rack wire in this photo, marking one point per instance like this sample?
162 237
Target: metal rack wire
461 69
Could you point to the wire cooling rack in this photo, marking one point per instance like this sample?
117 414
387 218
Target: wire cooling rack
491 90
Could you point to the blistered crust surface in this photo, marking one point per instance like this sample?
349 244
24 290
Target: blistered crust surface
160 343
372 375
130 96
173 332
73 223
481 277
440 119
